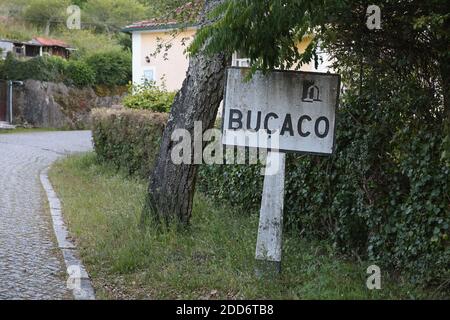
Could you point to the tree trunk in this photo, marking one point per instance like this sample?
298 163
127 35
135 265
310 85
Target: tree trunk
47 27
171 187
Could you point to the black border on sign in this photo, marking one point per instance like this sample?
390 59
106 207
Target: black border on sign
333 148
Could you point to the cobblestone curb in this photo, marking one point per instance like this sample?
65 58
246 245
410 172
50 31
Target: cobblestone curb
78 279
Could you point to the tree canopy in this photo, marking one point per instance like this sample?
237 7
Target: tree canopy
45 12
103 16
385 192
413 41
268 31
111 15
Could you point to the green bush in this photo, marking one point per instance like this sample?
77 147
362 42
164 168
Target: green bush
129 139
38 68
79 73
56 65
111 68
107 68
237 184
384 195
88 42
148 96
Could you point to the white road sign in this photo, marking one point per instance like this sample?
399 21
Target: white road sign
282 110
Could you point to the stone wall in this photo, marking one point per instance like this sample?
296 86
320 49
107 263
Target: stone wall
56 105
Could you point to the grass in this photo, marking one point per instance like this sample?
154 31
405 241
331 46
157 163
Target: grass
212 259
86 41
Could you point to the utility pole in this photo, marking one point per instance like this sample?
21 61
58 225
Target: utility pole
11 83
10 101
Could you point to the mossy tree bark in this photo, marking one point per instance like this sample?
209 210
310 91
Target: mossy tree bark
171 187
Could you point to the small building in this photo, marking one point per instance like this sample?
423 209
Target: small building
36 47
52 47
18 48
5 47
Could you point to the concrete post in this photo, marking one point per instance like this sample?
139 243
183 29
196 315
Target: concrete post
268 246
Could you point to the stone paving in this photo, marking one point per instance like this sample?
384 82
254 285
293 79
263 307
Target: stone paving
31 265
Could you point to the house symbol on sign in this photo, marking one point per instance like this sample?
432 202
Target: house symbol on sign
311 92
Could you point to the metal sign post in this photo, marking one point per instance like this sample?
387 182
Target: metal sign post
10 101
282 111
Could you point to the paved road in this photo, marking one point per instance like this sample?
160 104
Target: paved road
31 265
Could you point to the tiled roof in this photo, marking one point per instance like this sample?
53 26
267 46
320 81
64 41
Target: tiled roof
156 24
187 12
50 42
153 24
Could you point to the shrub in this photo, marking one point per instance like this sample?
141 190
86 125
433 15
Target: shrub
38 68
149 97
111 68
383 195
108 69
128 138
88 42
79 73
237 184
56 65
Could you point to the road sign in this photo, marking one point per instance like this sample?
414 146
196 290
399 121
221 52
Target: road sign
284 110
281 111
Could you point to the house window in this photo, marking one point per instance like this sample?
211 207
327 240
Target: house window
239 60
18 50
149 74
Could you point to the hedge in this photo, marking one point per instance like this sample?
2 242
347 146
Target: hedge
107 68
381 197
39 68
127 138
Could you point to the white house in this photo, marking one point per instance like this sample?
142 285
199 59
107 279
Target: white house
159 52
